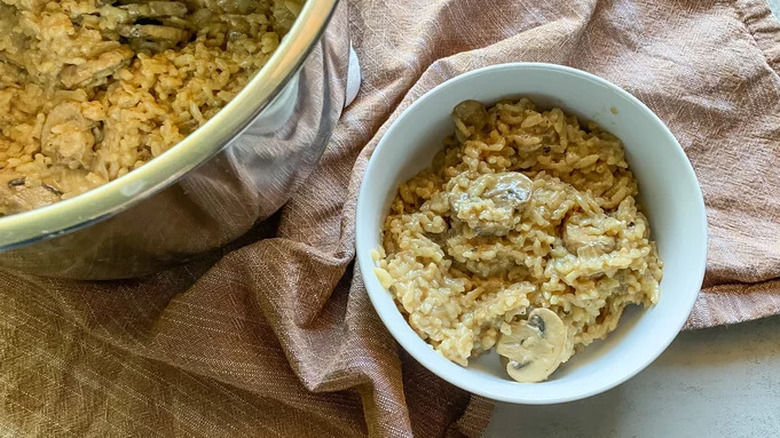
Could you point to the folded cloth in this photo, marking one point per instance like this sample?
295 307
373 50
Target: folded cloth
276 336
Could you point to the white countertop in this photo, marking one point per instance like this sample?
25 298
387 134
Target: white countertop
719 382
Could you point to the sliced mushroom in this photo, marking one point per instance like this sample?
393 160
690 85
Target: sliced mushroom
471 113
492 204
153 38
67 136
155 9
238 6
93 71
20 199
509 189
584 240
154 32
535 347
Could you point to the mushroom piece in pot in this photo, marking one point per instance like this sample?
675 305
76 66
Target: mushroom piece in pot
96 70
67 136
535 347
155 9
153 26
155 32
16 197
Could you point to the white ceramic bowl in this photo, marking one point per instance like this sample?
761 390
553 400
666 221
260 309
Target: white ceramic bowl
668 189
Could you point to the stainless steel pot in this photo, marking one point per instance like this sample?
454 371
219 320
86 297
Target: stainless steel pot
237 169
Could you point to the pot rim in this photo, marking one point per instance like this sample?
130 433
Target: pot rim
122 193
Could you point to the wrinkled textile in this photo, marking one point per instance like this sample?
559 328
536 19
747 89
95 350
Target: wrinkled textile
276 337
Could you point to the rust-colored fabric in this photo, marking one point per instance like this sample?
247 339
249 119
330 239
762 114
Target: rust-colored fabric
276 337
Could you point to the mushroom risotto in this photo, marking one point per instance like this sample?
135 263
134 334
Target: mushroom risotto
524 235
92 89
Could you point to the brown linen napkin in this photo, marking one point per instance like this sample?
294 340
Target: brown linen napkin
276 337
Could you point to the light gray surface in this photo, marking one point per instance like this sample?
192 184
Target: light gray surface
720 382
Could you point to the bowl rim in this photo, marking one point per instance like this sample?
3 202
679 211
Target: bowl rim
388 313
194 150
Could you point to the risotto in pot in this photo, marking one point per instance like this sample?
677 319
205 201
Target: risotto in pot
524 235
92 89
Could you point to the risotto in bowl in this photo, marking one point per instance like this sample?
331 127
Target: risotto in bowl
531 233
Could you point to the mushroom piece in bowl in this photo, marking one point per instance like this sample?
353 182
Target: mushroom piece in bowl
533 348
